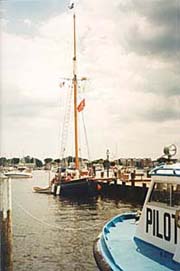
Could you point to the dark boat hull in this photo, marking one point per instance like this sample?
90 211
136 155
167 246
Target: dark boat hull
80 187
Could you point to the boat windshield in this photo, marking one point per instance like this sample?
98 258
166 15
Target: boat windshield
166 194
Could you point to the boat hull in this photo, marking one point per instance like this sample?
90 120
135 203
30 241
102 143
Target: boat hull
100 260
80 187
42 190
116 249
18 175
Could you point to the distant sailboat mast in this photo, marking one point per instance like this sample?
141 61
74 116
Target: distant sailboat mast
75 85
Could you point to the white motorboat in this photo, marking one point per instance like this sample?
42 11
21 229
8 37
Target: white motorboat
18 174
153 242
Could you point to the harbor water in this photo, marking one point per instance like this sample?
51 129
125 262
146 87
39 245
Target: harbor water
54 233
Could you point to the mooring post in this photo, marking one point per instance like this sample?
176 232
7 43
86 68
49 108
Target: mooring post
6 259
107 153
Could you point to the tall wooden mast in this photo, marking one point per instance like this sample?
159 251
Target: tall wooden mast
75 97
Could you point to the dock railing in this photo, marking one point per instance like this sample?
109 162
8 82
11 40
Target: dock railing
6 260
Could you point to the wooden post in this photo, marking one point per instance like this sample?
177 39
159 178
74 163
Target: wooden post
6 258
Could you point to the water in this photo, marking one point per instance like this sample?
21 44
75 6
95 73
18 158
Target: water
54 234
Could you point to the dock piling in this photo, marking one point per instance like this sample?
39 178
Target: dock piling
6 259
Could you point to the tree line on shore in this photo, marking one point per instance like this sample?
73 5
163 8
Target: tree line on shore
40 163
36 162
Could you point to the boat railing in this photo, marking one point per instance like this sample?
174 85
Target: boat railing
112 223
166 171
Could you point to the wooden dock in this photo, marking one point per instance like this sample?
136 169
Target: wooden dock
6 260
133 191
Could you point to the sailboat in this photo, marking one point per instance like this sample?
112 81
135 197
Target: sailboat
85 185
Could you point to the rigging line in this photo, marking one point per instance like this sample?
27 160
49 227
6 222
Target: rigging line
86 137
177 23
46 223
81 94
69 114
65 128
62 132
80 143
59 133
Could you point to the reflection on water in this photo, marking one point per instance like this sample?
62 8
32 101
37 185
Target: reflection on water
53 233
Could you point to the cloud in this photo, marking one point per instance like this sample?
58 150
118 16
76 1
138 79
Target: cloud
127 49
164 110
20 106
3 22
152 27
27 22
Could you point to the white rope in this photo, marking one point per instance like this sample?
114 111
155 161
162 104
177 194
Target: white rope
86 137
48 224
81 95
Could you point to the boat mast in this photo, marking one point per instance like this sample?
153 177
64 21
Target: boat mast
75 97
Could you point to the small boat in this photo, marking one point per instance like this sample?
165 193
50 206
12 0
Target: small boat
21 171
18 174
150 241
42 190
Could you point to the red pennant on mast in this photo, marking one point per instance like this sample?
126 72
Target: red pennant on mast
81 105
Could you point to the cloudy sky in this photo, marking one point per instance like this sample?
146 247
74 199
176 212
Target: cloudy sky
128 49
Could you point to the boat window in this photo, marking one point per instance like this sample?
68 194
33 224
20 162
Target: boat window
167 194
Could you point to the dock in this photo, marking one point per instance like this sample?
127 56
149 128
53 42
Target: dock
130 191
6 260
124 186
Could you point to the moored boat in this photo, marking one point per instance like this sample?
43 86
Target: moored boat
42 190
80 187
153 241
18 174
77 185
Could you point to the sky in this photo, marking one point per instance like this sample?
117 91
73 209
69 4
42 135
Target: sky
129 50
